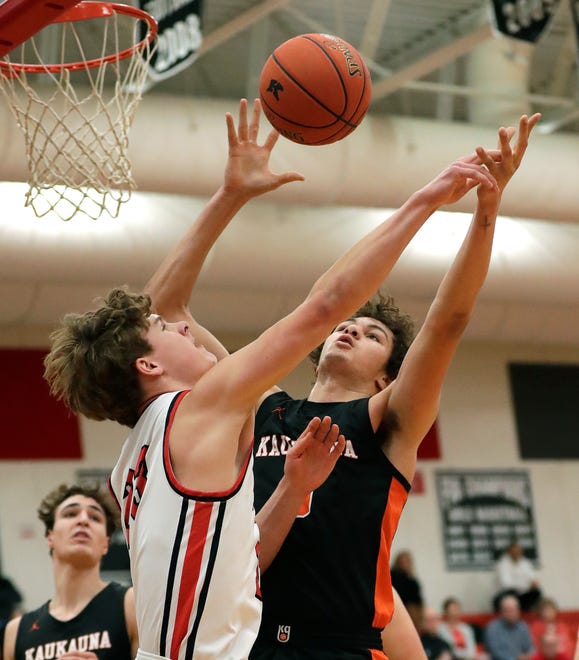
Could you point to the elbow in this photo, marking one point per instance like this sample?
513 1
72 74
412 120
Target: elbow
451 326
324 307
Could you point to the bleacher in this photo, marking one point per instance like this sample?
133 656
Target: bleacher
478 620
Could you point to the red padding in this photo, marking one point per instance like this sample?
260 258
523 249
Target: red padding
33 425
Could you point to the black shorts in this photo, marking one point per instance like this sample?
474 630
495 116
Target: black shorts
264 650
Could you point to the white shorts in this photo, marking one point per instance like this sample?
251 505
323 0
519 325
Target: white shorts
143 655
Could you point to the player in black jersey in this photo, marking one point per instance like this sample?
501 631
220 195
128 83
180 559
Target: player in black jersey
86 619
327 593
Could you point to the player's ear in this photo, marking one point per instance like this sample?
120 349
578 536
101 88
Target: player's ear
382 382
146 366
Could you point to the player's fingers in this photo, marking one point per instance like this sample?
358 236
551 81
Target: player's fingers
288 177
505 135
339 445
254 123
323 429
306 438
311 429
231 132
533 120
272 138
332 434
474 159
242 130
485 158
526 125
477 172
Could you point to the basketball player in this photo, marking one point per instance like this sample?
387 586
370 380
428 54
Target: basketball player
86 619
327 594
184 479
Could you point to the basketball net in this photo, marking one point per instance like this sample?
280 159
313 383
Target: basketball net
75 117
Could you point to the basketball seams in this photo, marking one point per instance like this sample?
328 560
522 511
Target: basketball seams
332 77
337 117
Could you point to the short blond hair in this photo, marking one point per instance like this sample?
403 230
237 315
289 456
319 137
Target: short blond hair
91 364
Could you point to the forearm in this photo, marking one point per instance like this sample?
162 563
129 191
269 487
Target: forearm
275 520
462 283
362 270
172 284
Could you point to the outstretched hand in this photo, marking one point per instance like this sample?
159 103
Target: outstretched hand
503 167
247 171
488 169
458 178
314 454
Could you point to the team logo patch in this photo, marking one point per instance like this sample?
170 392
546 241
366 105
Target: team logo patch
283 633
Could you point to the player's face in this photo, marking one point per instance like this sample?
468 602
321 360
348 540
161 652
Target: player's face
175 350
364 344
79 535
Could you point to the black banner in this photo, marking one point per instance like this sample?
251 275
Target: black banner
575 13
482 512
523 19
179 38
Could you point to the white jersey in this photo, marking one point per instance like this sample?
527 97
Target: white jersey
193 555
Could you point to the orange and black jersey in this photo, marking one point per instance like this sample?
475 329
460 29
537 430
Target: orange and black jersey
332 573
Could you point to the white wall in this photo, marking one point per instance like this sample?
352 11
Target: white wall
477 430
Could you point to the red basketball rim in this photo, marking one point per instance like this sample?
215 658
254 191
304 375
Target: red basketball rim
84 11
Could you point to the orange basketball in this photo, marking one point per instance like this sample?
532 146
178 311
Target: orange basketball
315 89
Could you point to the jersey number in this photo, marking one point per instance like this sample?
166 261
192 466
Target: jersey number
133 491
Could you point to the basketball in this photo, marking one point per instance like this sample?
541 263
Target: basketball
315 89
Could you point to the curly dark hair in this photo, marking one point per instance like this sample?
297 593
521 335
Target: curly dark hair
91 364
97 491
383 309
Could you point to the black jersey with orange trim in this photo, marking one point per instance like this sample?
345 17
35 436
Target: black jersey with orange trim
332 572
100 628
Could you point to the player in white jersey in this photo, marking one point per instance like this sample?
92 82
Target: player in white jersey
184 479
209 538
123 362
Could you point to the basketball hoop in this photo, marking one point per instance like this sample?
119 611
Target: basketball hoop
76 116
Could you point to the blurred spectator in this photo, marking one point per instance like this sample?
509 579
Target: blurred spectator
549 648
10 604
548 622
407 586
516 575
508 637
459 635
434 646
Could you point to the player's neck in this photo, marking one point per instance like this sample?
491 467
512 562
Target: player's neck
74 589
326 390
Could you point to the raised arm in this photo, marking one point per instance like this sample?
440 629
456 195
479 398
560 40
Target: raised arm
341 290
308 463
411 402
247 175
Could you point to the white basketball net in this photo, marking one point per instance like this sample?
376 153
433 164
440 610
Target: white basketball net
76 124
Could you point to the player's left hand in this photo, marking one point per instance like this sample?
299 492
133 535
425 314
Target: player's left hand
247 171
503 168
314 454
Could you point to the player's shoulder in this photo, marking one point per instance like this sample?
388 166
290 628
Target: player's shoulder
10 634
